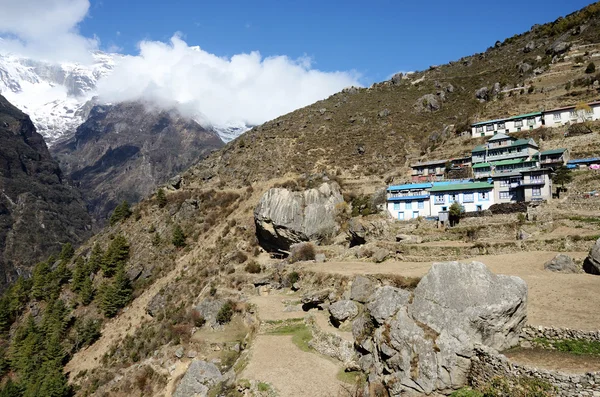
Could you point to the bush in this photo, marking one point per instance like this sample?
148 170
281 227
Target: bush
225 314
161 198
178 237
591 68
466 392
293 277
253 267
302 252
121 212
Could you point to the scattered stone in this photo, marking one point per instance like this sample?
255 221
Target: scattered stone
384 113
523 235
559 47
362 289
315 298
179 352
198 379
236 348
356 232
386 301
284 217
343 310
427 102
380 255
591 264
562 263
208 309
156 305
524 67
450 88
322 110
350 90
397 78
320 258
482 94
360 149
175 182
134 272
192 354
539 70
529 47
407 238
496 90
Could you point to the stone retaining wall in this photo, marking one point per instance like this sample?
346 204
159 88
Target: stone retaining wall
531 333
488 364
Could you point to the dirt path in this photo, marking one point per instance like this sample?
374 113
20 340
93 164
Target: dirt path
555 360
559 300
293 373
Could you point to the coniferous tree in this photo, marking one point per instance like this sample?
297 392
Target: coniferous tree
121 212
161 198
116 294
86 293
80 272
41 278
96 259
178 237
19 295
62 274
66 252
6 318
116 255
11 389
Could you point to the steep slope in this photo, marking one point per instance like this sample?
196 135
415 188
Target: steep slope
122 152
39 211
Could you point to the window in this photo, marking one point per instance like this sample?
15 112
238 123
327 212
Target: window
408 205
483 134
501 126
479 208
439 199
489 127
480 129
537 177
557 116
468 198
453 197
483 196
504 195
396 206
536 191
420 205
531 121
519 123
572 114
504 182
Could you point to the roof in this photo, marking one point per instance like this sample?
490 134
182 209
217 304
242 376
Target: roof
553 151
478 148
499 137
520 116
584 161
409 186
511 162
594 103
481 165
524 141
410 198
431 162
462 186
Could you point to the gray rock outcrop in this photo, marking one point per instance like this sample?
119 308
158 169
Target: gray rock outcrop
284 217
208 309
562 263
424 345
482 94
427 102
198 379
343 310
591 264
558 47
524 67
362 289
529 47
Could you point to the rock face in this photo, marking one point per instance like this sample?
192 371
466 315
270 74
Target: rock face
425 346
284 217
198 379
124 151
591 264
562 263
428 103
208 309
343 310
39 210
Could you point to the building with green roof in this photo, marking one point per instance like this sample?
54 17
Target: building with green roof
507 125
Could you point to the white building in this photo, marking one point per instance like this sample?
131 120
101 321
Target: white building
507 125
408 201
472 196
570 115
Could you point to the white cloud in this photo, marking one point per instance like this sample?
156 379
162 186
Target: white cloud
245 87
45 29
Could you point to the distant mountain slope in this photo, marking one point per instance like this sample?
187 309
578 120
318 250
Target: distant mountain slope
39 211
122 152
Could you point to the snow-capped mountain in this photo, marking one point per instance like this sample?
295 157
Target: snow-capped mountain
59 97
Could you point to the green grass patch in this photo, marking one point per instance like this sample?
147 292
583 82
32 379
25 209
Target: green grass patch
301 334
286 321
578 347
585 219
466 392
263 387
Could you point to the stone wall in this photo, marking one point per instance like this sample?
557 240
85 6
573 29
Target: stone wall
531 333
488 364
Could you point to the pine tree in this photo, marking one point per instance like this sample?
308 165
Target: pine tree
19 295
80 272
116 294
121 212
96 259
66 252
41 277
178 237
62 274
161 198
156 240
116 255
54 383
86 293
6 318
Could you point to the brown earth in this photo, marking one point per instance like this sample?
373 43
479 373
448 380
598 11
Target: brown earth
555 360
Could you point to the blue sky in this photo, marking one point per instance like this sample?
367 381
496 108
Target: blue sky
374 39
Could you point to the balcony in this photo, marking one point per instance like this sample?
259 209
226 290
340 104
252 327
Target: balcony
534 182
506 156
552 160
407 197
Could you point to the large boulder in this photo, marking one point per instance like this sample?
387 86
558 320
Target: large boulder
343 310
209 309
362 289
198 379
427 102
425 345
558 47
284 217
562 263
591 264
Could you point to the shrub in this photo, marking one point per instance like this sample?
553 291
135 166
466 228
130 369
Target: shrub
531 89
591 68
293 277
121 212
225 314
302 252
197 319
253 267
466 392
161 198
178 237
239 257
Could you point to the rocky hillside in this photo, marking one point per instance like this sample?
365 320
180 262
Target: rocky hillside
39 211
124 151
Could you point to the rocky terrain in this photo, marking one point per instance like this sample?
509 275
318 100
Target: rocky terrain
269 269
39 210
124 151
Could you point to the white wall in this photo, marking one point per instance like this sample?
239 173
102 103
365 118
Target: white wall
399 210
460 198
565 116
509 126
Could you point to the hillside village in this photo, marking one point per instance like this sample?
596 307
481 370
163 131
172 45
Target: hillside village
502 170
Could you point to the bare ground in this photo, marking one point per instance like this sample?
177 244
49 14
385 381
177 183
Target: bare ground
555 360
558 300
